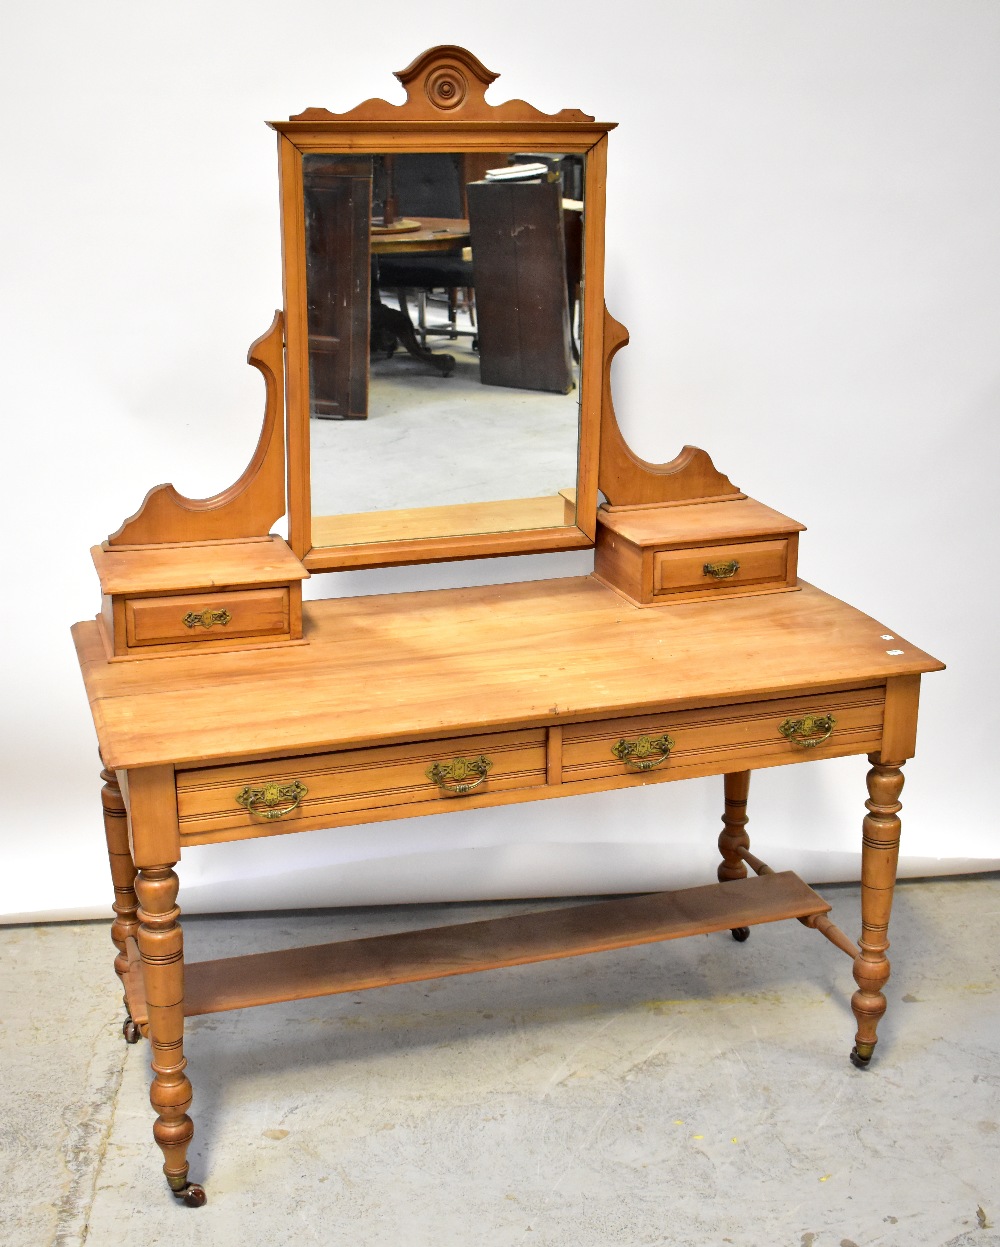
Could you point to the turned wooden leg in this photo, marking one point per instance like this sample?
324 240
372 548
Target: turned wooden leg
734 835
879 854
161 946
126 923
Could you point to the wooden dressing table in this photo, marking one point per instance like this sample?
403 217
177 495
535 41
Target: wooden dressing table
226 709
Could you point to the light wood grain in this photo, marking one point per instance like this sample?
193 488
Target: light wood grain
207 565
328 969
151 802
414 666
696 523
455 520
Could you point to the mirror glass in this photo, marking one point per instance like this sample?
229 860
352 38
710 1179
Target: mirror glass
445 332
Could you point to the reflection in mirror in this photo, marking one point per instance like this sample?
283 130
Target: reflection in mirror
444 319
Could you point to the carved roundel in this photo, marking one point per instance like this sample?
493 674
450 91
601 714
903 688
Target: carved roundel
446 87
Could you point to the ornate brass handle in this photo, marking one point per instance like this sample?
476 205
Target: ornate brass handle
454 778
265 801
722 571
206 619
644 753
810 731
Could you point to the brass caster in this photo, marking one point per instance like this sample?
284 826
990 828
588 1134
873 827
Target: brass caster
131 1032
859 1061
741 934
192 1194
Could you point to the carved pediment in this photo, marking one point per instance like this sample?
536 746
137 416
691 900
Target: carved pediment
445 83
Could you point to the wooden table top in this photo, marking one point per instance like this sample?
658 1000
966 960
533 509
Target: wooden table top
434 234
417 666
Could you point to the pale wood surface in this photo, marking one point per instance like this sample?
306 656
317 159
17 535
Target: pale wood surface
206 565
456 520
444 548
353 965
697 522
423 665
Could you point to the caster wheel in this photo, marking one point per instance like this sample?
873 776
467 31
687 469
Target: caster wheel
859 1062
741 934
131 1032
193 1195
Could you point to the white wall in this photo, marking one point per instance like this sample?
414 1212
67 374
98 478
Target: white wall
802 238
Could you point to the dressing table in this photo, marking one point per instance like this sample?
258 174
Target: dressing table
226 708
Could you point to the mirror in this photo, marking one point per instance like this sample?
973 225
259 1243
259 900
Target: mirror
444 326
443 265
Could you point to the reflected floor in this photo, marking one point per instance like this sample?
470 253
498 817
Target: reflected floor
431 441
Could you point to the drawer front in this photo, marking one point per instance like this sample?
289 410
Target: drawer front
779 730
310 788
729 566
206 617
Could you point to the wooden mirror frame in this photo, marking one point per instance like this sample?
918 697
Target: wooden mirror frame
445 111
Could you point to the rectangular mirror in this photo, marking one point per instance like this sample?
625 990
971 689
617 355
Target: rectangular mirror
443 389
444 330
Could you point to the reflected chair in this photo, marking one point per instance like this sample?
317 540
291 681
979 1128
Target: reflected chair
426 184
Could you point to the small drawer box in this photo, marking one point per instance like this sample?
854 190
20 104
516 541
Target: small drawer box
211 596
194 617
696 552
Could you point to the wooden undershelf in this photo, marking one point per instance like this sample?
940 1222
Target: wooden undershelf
353 965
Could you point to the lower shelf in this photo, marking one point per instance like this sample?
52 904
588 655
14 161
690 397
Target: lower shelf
353 965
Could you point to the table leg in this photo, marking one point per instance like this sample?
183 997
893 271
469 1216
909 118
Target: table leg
879 854
734 835
161 946
126 923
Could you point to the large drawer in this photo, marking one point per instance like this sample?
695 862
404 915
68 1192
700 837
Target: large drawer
315 786
749 734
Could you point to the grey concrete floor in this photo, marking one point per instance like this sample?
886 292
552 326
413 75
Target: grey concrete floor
689 1093
433 441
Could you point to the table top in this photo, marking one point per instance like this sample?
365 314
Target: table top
419 666
434 234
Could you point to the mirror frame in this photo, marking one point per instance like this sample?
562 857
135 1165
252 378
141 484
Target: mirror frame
445 111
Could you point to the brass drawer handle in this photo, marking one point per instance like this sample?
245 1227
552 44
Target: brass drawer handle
206 619
454 778
265 801
810 731
722 571
644 753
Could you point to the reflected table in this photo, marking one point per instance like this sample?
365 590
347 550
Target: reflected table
418 237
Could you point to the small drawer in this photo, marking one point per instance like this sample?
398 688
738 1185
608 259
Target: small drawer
207 617
736 737
720 567
331 785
